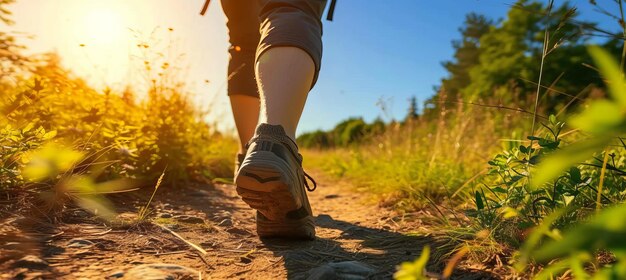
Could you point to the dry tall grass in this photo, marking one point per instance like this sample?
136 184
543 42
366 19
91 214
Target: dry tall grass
412 164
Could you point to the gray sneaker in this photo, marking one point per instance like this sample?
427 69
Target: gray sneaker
271 180
238 160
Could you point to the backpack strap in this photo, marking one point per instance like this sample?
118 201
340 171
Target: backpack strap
331 10
329 16
205 7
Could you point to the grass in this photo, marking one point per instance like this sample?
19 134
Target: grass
71 143
144 210
450 167
413 163
65 142
539 190
449 163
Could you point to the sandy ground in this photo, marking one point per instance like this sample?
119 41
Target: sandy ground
77 246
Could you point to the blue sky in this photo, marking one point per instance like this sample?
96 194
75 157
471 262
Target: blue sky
385 50
392 50
374 50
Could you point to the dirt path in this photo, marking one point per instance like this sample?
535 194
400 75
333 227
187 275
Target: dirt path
214 218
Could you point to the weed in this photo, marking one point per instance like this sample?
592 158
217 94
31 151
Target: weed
144 210
69 142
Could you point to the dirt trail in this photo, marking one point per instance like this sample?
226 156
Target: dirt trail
214 218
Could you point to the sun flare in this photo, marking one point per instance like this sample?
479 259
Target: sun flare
102 26
98 35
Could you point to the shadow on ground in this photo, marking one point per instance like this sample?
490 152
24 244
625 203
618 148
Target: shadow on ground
337 241
224 226
379 249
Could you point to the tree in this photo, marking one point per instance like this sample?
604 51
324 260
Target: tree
504 51
512 52
413 109
377 127
349 131
316 139
466 54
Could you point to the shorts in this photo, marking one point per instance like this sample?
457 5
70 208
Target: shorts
255 26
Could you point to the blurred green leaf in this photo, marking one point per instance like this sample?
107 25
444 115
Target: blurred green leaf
85 185
414 270
604 231
610 70
602 116
48 161
79 184
577 263
116 186
535 238
549 272
557 163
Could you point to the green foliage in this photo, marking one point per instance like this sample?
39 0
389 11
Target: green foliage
345 133
413 113
63 140
15 143
574 250
409 164
507 205
499 60
317 139
551 182
122 137
603 231
602 119
404 181
414 270
467 52
349 131
567 185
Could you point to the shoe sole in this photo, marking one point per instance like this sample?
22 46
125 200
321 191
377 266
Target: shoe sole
296 229
263 183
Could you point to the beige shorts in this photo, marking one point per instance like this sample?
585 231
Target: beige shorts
254 26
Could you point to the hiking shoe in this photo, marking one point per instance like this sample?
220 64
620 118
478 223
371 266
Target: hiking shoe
272 181
238 160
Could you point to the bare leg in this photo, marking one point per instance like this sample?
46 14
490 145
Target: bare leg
246 113
284 77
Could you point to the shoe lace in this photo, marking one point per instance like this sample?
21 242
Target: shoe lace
307 184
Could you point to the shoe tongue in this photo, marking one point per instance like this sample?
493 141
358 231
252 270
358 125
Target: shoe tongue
271 130
276 132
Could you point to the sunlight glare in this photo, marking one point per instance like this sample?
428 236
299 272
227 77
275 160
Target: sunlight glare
99 34
102 26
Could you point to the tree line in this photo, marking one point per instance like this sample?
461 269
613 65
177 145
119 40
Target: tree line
497 63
